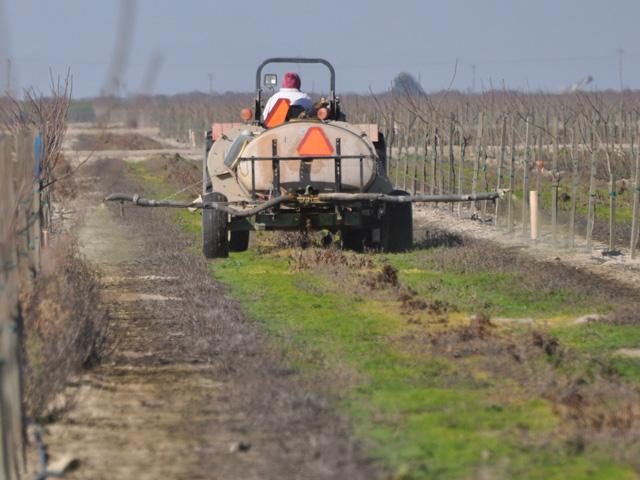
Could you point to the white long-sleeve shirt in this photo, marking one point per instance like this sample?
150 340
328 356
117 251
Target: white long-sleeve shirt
295 96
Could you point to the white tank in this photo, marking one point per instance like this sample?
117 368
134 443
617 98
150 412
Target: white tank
319 173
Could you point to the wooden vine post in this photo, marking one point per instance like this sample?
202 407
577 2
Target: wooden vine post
434 162
555 185
452 173
503 148
512 177
476 165
575 163
526 163
612 191
591 214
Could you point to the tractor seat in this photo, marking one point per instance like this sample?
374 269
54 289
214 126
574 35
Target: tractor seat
296 111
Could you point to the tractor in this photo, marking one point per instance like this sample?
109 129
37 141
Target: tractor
299 170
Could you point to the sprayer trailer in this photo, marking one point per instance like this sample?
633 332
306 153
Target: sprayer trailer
300 170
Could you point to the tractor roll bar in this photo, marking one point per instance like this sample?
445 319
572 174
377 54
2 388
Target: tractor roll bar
332 72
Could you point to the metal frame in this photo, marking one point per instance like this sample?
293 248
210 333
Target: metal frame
334 110
276 159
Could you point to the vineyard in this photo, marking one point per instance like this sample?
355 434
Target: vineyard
455 318
578 152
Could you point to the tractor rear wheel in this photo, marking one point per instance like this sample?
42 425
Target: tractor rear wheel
397 225
215 229
239 241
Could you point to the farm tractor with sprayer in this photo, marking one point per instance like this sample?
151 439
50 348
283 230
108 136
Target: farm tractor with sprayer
299 170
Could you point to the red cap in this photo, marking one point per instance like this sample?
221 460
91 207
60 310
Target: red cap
291 80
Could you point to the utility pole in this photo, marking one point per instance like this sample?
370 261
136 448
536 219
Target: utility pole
620 52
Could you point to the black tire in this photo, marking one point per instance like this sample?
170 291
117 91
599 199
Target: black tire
239 241
215 229
397 226
354 240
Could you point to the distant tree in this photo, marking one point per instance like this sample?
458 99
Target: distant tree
405 83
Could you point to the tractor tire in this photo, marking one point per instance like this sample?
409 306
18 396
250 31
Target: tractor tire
239 241
397 226
354 240
215 229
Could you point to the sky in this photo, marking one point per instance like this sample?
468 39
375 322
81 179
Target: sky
201 45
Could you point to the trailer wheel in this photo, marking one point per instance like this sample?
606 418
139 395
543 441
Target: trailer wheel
355 240
215 229
239 241
397 225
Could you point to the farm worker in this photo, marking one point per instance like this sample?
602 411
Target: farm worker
291 90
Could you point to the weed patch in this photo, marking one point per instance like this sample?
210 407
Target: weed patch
65 324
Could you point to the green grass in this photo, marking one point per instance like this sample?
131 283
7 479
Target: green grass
422 416
494 293
601 341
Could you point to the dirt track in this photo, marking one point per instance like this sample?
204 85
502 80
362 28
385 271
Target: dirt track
190 390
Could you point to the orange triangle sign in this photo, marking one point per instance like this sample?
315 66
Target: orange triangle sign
278 113
315 143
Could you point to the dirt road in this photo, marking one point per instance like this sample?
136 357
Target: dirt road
191 390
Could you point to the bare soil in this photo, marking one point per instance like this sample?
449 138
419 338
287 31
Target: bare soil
190 389
115 141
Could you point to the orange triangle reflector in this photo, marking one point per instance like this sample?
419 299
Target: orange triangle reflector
315 142
278 113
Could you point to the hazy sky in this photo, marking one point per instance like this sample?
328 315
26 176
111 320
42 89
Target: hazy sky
535 44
